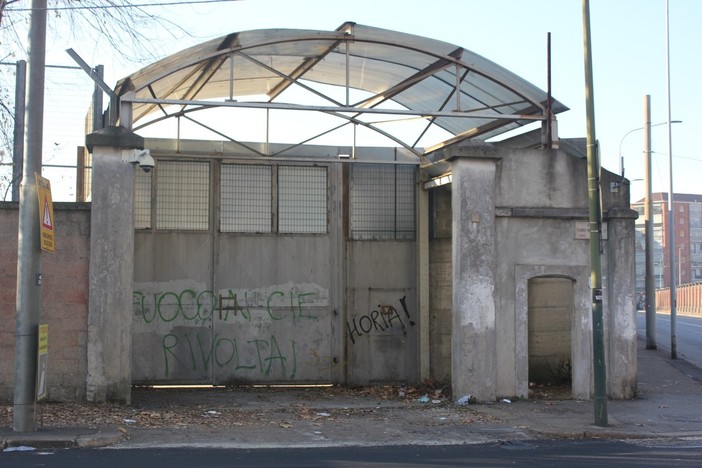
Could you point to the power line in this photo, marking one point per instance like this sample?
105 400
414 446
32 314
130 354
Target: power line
688 158
677 156
129 5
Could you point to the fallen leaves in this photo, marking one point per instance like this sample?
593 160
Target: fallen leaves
219 408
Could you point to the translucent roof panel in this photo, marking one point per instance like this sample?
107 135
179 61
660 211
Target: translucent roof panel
395 74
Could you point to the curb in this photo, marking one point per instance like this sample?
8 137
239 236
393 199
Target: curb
49 440
613 435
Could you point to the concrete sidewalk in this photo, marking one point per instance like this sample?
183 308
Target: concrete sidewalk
669 406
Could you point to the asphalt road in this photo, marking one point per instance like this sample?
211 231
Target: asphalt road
523 453
689 335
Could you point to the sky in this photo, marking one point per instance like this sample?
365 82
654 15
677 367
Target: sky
628 47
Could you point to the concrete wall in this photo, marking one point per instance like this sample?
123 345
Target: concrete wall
382 315
359 319
475 288
440 285
532 200
539 197
64 300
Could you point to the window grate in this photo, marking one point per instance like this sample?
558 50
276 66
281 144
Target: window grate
302 200
405 186
382 202
245 198
142 199
183 195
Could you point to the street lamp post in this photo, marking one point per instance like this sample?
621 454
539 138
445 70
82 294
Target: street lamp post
650 286
671 199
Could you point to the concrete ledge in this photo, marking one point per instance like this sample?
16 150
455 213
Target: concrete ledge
114 137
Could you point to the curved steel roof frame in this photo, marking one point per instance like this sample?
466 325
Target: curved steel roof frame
396 75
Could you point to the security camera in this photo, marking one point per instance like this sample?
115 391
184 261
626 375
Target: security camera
144 159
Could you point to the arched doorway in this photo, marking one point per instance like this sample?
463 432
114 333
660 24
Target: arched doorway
550 318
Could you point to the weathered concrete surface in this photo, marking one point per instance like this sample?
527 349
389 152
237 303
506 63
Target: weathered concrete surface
473 354
620 346
517 215
111 269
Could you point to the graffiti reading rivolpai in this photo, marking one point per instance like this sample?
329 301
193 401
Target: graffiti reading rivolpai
199 352
249 334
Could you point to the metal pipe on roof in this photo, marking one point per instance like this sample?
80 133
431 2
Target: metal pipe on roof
458 88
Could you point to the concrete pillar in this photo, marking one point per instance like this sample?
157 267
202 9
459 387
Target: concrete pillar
111 264
473 354
620 319
423 283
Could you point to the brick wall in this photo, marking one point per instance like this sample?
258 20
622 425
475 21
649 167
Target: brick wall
64 300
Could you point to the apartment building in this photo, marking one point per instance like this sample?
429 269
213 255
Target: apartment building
687 214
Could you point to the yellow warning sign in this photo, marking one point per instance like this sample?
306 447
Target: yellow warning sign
46 214
42 359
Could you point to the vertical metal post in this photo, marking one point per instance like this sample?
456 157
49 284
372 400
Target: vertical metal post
80 174
98 121
348 75
593 186
28 249
671 201
648 230
231 77
549 97
458 88
268 132
18 135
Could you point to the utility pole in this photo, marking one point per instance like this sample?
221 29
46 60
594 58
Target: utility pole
648 230
671 201
593 187
28 245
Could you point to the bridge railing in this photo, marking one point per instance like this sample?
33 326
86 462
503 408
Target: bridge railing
689 299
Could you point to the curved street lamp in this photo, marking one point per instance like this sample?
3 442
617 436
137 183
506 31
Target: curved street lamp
621 156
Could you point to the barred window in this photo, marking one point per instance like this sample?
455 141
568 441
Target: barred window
142 199
245 198
302 200
383 202
183 195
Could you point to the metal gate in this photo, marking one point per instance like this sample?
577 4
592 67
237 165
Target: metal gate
240 278
232 274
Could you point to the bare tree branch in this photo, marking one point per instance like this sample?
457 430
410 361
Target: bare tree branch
127 27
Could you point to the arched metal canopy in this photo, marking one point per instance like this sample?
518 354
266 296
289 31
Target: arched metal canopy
363 75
